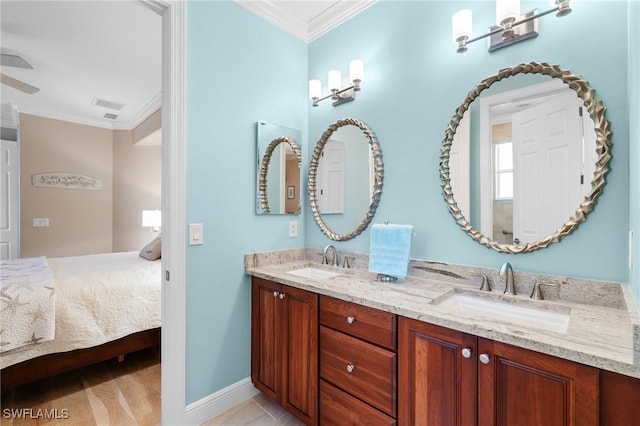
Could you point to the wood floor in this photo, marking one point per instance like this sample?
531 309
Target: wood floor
108 393
119 394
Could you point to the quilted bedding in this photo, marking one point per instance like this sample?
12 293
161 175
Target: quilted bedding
27 298
98 298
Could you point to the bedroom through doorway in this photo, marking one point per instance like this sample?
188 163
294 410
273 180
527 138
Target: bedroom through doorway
87 180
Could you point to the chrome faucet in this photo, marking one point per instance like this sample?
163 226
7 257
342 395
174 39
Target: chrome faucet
507 271
334 257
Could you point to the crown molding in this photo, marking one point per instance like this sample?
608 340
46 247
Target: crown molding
270 11
152 106
56 115
335 16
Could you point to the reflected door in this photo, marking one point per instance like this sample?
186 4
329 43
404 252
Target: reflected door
460 166
547 167
331 170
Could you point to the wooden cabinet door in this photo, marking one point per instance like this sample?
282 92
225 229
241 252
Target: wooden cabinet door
522 387
300 353
619 399
266 327
436 382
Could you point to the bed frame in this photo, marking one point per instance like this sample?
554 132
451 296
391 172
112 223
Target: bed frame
52 364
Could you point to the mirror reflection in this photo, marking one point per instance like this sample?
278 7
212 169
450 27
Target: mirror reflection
345 179
522 161
279 161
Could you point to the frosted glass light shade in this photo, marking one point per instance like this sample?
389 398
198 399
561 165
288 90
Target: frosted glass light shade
356 70
315 89
506 9
334 80
151 218
462 24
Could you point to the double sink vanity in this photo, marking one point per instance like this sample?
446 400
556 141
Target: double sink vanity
449 344
433 347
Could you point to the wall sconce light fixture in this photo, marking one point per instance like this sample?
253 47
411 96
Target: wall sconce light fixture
512 27
339 96
152 219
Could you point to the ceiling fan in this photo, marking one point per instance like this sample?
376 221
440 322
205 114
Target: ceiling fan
7 60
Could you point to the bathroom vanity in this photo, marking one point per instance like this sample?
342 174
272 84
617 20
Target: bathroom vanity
334 346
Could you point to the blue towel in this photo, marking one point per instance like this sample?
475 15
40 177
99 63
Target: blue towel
389 249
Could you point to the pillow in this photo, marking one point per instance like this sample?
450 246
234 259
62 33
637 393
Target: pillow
152 251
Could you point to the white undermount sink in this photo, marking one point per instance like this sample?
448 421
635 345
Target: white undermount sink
513 311
313 273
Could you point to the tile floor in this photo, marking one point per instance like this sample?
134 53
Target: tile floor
258 411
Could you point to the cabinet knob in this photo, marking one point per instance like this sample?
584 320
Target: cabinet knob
350 319
484 358
466 353
350 368
281 296
275 294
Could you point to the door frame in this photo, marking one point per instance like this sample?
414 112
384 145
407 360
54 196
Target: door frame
173 343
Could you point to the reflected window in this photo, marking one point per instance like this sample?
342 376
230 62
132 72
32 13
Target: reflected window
503 160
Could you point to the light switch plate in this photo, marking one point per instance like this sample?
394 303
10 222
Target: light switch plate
40 222
195 234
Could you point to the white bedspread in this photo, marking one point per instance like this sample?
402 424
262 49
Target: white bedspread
99 298
28 303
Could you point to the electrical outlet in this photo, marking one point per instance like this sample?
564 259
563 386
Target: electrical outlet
293 228
40 222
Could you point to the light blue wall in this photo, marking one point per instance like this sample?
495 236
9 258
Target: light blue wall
634 141
414 80
239 69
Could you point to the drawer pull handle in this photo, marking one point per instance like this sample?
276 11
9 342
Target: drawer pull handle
350 368
484 358
275 294
466 353
281 296
351 319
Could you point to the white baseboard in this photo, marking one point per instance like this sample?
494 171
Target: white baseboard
217 403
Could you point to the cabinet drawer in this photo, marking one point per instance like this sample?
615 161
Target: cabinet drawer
370 324
373 369
339 408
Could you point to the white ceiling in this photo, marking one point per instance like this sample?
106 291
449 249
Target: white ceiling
111 50
80 50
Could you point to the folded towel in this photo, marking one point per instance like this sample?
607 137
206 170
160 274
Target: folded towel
389 249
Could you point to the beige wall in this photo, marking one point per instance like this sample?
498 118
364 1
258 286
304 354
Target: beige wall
292 179
137 172
84 221
80 221
150 125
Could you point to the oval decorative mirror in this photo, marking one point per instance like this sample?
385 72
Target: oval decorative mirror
345 179
279 160
525 156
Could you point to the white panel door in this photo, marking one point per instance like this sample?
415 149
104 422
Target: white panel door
9 197
331 178
547 152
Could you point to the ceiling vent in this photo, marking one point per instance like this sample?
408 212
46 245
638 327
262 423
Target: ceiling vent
111 116
106 104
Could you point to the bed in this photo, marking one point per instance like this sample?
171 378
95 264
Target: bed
106 305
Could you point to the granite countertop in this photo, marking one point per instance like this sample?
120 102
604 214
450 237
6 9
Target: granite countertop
603 330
